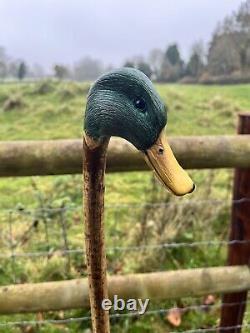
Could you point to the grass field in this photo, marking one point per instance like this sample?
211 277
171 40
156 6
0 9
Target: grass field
54 110
50 110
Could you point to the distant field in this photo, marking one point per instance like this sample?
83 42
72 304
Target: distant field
50 110
54 110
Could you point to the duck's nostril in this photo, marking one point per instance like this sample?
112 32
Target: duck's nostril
192 189
161 151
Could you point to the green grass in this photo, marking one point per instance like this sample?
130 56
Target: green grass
194 110
54 110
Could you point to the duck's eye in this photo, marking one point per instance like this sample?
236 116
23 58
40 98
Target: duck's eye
140 104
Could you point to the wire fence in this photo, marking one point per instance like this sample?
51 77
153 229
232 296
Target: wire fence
45 233
124 249
47 214
162 311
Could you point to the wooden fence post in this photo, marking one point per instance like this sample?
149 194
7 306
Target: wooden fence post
238 253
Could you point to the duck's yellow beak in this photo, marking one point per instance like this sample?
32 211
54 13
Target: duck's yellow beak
162 160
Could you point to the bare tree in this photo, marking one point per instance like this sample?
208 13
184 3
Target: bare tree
37 71
155 60
243 17
230 46
196 61
223 57
61 71
3 63
242 33
88 69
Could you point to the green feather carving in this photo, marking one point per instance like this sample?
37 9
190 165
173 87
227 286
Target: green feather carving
124 103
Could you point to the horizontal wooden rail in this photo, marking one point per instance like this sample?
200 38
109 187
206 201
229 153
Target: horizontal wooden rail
73 294
55 157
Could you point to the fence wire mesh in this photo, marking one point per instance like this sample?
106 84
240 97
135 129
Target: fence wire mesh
46 243
163 311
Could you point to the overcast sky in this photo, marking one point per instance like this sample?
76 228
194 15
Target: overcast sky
50 31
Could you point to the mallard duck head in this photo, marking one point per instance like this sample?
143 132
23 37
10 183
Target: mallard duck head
125 103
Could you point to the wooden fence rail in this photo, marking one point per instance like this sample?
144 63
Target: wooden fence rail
30 158
73 294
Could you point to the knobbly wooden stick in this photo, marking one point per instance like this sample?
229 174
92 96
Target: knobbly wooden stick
94 166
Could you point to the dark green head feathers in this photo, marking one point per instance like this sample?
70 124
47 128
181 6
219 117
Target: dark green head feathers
124 103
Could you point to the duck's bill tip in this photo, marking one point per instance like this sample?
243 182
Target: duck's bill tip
161 159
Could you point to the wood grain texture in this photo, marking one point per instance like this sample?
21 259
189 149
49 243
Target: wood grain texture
73 294
94 163
239 254
57 157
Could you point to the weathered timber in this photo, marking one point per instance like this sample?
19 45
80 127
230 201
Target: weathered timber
73 294
239 253
94 165
30 158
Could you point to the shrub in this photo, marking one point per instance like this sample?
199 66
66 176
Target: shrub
235 78
13 102
188 80
43 88
66 92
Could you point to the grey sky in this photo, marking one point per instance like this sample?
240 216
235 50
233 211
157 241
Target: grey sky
50 31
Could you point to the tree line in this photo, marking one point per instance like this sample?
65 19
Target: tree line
86 69
226 58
